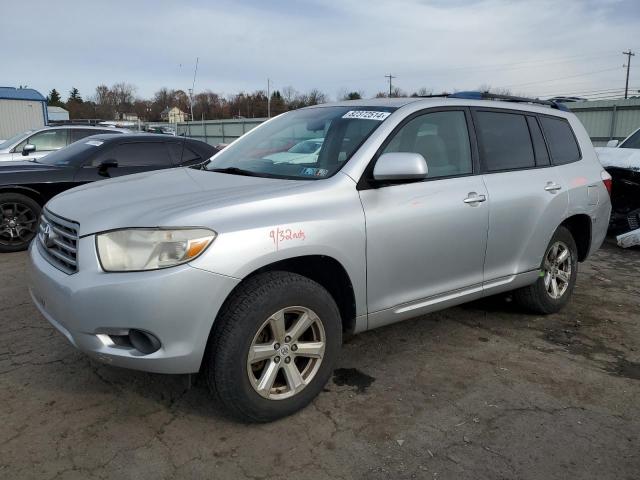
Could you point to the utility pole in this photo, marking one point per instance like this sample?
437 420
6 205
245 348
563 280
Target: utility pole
268 98
390 77
629 54
193 85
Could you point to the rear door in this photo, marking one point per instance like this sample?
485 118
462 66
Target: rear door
528 196
426 238
125 159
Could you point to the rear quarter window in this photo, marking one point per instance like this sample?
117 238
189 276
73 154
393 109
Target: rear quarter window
562 143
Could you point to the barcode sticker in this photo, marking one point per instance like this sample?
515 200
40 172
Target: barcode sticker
366 115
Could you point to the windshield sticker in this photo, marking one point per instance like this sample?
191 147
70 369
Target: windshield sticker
95 143
366 115
314 172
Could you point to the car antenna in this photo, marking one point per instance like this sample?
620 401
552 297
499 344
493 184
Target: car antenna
193 84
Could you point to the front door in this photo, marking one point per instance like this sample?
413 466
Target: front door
426 240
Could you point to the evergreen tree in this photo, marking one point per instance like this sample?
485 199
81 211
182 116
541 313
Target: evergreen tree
74 96
54 98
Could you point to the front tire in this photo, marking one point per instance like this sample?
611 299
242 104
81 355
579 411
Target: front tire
558 272
19 216
273 346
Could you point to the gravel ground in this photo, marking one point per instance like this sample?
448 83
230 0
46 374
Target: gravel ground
475 392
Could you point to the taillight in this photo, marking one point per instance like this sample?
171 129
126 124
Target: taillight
606 179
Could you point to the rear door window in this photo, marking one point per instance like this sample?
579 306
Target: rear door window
562 143
504 141
139 154
80 133
181 154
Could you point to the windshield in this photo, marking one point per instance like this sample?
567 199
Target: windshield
74 153
309 144
633 141
10 141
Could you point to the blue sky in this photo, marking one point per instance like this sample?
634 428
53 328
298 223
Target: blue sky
532 47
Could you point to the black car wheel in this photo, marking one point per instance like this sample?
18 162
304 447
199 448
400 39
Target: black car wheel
273 346
19 216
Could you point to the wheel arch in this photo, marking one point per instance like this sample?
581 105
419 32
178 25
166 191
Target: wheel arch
325 270
580 227
29 192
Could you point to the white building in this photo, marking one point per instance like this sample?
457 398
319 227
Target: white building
21 109
57 114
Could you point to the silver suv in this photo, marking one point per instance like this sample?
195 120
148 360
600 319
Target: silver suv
251 269
33 144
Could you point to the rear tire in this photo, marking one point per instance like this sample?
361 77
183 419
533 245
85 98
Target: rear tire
19 216
558 272
259 365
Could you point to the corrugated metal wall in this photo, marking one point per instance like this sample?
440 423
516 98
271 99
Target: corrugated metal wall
218 131
603 119
608 119
19 115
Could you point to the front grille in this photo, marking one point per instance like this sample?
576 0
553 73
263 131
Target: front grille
58 241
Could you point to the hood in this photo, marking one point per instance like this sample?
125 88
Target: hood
173 197
627 158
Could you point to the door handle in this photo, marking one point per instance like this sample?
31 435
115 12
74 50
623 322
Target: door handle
474 198
552 187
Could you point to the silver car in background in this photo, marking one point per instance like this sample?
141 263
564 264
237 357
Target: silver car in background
251 270
37 143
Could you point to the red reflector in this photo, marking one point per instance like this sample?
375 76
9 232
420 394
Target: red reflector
606 179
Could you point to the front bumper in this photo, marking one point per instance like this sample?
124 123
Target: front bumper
177 305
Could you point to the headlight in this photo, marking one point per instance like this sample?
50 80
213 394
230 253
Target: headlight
149 248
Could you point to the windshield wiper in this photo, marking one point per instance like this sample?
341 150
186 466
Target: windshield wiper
235 171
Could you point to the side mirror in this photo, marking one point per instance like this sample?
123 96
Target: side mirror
27 149
613 143
105 165
400 166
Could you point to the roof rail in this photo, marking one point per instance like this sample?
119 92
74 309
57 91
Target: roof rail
474 95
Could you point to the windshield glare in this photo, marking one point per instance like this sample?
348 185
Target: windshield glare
309 144
10 141
633 141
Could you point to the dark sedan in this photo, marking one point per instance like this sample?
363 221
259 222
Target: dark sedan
26 186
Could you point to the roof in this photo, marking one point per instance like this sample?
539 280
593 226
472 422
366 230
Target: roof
373 102
54 109
10 93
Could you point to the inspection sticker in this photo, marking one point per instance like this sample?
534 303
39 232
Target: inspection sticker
314 172
366 115
95 143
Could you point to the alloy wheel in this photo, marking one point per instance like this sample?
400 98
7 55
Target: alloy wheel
18 223
557 270
286 353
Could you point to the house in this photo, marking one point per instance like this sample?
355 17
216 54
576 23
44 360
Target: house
127 117
173 115
21 109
